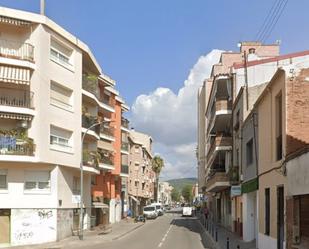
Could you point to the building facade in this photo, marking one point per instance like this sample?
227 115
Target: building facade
141 176
51 91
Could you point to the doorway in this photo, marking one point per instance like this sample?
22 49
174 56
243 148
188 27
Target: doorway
5 222
280 217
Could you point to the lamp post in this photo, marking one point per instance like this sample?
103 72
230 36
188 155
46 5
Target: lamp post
81 218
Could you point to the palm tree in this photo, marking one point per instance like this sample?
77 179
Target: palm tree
157 165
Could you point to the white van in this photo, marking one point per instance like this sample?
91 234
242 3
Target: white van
150 212
159 207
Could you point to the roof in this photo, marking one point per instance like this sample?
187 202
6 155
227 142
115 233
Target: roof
272 59
40 19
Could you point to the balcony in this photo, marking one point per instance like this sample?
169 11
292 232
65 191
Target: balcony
87 121
107 132
234 175
106 160
217 181
220 143
124 169
16 101
125 123
16 50
90 84
125 147
91 158
220 115
16 145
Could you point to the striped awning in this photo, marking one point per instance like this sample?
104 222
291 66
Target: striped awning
15 116
16 75
14 21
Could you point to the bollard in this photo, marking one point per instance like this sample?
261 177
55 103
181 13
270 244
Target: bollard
216 234
227 243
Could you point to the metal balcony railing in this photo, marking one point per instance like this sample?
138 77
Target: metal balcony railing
11 145
109 131
16 98
124 169
16 50
106 157
125 123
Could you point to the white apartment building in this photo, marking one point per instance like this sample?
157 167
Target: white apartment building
41 69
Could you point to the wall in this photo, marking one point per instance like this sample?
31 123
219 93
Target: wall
31 226
64 223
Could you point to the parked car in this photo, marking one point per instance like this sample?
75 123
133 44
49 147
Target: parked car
159 208
187 210
150 212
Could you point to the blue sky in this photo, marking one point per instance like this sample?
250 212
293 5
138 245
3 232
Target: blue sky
152 48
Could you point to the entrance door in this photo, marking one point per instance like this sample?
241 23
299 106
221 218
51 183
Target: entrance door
5 226
280 217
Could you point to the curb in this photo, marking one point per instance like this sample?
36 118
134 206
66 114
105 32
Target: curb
126 233
214 244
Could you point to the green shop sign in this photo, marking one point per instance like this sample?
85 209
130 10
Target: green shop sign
250 186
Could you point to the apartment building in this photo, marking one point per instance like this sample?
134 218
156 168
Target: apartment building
141 176
52 91
165 193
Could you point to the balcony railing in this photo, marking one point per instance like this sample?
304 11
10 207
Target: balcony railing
124 169
106 130
16 98
125 146
220 140
16 50
90 84
87 121
91 158
125 123
11 145
106 157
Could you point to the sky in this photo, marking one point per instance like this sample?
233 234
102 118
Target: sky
160 51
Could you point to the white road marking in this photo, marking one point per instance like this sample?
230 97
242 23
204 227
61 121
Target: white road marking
165 235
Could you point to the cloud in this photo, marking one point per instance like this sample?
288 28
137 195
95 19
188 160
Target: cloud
171 119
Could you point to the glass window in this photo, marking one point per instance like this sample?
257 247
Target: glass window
60 96
249 152
37 180
60 139
3 179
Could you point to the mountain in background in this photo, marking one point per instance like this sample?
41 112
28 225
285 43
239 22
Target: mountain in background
178 184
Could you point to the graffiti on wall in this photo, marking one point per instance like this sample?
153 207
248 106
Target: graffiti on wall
33 226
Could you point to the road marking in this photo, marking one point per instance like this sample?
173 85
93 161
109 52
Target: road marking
165 235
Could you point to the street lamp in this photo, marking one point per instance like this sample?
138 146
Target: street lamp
81 218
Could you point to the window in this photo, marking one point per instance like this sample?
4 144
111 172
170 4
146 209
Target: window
76 185
267 211
37 181
60 53
3 179
60 139
136 183
249 152
94 180
136 149
279 127
60 96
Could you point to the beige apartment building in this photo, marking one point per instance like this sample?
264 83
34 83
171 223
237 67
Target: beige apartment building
47 101
141 176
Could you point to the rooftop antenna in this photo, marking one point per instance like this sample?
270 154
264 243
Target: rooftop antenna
42 7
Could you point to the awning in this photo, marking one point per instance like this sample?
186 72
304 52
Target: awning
15 75
100 205
14 21
134 199
105 145
15 116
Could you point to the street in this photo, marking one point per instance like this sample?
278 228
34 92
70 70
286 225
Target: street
168 231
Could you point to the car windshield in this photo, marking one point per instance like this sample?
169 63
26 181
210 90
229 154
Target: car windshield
149 208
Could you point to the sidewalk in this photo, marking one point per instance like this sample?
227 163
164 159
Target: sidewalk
222 235
91 238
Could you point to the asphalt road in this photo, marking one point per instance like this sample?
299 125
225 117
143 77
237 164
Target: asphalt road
170 231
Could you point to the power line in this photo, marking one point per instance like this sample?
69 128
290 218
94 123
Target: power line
276 21
262 29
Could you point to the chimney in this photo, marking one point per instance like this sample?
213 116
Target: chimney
42 7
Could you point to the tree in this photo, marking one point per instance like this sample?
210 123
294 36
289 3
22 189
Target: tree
175 195
187 193
157 165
